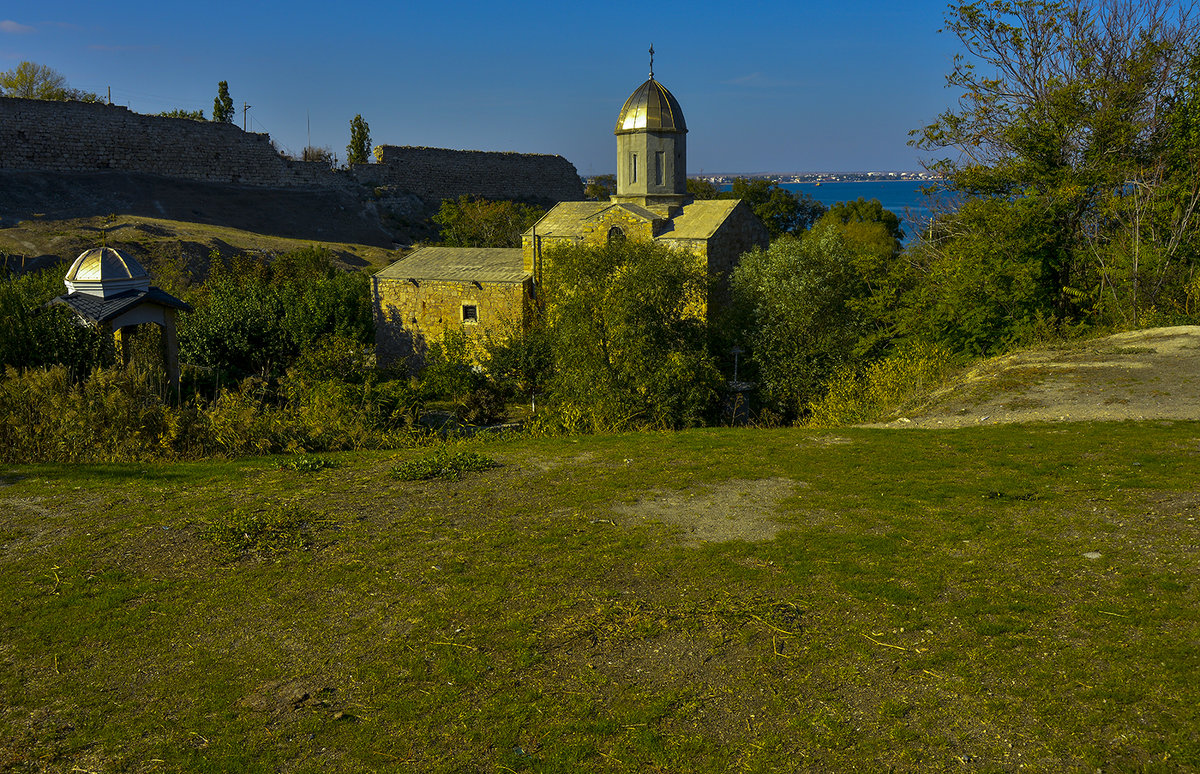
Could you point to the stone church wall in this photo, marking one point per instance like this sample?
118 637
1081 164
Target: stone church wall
51 136
411 315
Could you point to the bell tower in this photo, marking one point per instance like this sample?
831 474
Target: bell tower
651 147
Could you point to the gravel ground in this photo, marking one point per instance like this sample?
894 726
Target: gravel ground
1138 375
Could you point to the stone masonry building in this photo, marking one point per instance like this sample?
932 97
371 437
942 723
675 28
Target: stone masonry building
437 289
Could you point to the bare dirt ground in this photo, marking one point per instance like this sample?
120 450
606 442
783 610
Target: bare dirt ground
733 510
1146 374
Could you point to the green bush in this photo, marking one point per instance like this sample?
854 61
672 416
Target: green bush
450 371
484 406
875 392
120 415
33 336
793 305
336 357
626 326
471 221
268 531
253 317
299 415
519 359
443 463
114 415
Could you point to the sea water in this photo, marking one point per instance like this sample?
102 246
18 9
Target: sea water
903 197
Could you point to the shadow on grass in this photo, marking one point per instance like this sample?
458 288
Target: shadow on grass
121 472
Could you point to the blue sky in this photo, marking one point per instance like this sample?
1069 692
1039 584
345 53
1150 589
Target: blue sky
778 86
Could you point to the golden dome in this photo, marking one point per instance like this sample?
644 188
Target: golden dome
651 108
103 271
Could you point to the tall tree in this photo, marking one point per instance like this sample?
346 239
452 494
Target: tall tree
628 348
702 189
254 316
359 149
793 308
476 222
223 104
1064 123
32 81
600 187
872 238
35 81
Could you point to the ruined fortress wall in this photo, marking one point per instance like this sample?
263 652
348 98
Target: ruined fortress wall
439 173
86 137
47 136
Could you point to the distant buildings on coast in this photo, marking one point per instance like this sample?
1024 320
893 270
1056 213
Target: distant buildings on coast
826 177
814 177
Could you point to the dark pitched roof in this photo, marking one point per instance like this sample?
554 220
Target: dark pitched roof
102 310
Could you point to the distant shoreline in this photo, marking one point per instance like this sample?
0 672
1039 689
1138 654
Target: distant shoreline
829 177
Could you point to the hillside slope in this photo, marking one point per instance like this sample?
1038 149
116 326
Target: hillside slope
312 215
174 251
1146 374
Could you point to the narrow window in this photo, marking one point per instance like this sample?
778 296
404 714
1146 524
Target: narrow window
633 167
470 313
616 235
659 163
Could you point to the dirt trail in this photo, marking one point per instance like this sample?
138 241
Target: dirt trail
1147 374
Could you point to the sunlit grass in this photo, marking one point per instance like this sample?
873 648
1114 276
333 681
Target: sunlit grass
988 597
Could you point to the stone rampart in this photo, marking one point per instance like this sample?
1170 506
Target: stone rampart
50 136
46 136
440 173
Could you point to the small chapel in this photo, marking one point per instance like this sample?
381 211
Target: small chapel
436 289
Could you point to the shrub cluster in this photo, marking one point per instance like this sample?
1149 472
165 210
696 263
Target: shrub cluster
443 463
266 531
257 317
873 392
33 335
121 415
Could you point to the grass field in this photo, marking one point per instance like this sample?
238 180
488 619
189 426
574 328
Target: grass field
982 599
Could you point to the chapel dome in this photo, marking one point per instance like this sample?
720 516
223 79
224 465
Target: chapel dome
104 272
651 108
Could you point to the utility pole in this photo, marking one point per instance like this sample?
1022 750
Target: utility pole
245 108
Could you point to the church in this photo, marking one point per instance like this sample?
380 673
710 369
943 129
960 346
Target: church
475 290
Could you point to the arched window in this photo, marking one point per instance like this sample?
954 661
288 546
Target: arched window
616 235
